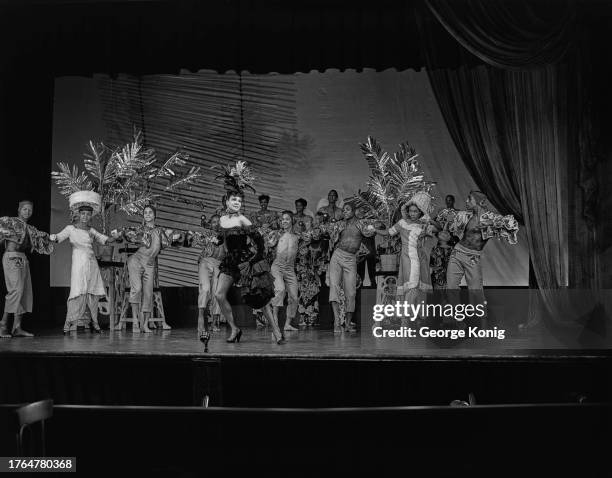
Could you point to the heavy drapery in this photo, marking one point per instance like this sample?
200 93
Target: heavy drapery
513 118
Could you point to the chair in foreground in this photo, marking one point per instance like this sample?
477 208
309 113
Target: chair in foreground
29 415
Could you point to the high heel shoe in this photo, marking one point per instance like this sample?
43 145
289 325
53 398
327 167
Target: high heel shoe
204 338
236 337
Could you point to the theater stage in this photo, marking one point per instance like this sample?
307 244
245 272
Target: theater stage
304 344
315 368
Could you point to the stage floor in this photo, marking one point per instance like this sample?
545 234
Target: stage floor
303 344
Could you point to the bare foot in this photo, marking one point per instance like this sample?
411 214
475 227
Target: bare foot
290 328
4 333
165 326
145 328
19 332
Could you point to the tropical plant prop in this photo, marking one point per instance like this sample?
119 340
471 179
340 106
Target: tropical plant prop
393 180
127 178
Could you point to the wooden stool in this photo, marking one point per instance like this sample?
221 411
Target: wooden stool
126 252
157 314
123 318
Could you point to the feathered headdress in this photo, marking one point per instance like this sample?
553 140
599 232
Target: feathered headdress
238 177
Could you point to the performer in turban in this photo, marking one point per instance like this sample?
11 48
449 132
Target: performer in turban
86 285
415 224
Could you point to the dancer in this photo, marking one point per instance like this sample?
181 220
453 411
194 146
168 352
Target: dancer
86 285
302 221
286 243
447 215
346 237
213 252
264 217
240 267
19 237
413 275
264 220
141 266
331 210
368 259
439 258
474 227
309 265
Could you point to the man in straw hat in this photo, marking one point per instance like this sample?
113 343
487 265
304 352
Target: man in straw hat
19 237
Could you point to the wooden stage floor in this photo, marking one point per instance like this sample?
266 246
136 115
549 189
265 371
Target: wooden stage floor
314 368
303 344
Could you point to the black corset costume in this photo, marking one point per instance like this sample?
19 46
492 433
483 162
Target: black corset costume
255 282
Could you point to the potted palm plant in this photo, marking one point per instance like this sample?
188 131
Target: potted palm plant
127 178
393 180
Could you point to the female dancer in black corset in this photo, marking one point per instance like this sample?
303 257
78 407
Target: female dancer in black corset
242 267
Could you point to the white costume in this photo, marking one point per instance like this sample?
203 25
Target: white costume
409 270
414 272
85 275
86 285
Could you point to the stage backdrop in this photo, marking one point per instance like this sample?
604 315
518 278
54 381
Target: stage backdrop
300 133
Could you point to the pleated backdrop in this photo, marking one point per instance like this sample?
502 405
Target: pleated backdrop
300 134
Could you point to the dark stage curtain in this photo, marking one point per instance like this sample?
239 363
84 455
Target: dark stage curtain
509 34
512 119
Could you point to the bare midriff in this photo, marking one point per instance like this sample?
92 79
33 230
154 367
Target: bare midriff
472 237
350 238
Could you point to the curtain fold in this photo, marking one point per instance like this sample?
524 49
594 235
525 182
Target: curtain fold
476 124
512 119
511 35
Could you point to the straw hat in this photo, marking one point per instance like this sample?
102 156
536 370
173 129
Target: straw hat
422 200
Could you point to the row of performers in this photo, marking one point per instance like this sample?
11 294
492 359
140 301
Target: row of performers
260 261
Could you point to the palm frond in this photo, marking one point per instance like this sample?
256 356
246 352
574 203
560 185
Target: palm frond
70 180
170 166
188 178
132 158
393 179
135 204
371 150
100 168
